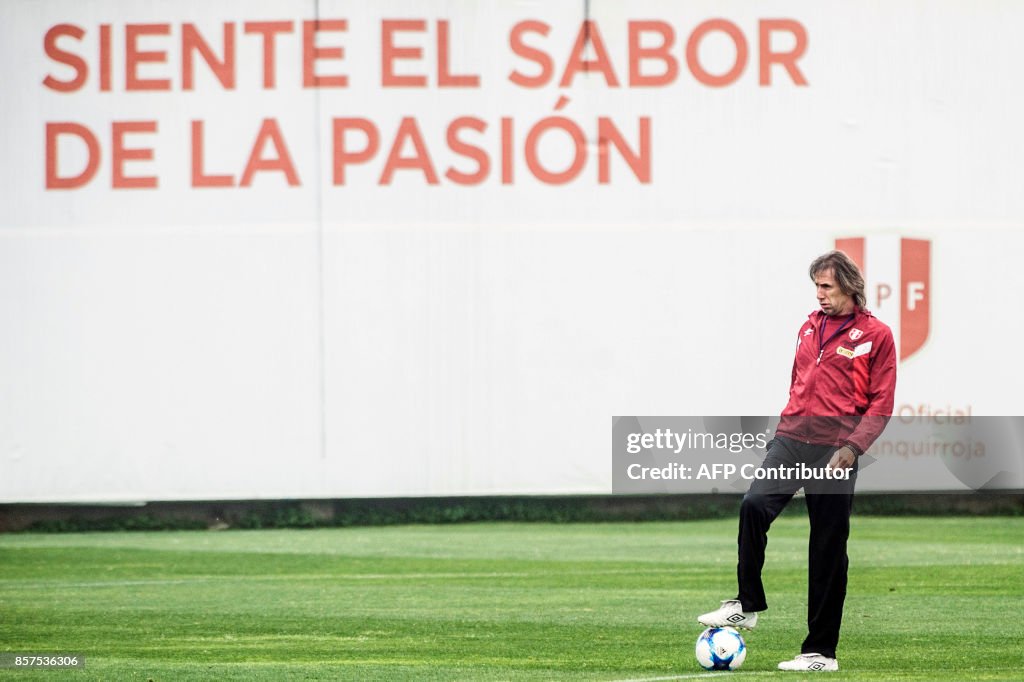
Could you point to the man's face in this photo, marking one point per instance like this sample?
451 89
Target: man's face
830 297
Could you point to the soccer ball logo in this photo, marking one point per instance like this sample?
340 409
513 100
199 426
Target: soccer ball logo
721 649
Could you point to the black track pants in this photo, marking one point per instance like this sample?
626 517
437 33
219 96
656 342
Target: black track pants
829 503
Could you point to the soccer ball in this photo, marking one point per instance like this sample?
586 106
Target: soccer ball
721 649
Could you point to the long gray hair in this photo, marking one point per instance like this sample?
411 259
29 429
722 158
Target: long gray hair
845 272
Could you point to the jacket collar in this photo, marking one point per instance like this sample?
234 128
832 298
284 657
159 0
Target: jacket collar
817 316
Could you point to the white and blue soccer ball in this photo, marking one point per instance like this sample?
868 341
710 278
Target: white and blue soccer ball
721 649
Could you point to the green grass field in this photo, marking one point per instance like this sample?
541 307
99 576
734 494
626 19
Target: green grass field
930 598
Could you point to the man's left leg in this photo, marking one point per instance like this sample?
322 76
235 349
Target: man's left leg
829 509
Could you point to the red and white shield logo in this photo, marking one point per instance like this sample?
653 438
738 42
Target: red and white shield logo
855 334
897 272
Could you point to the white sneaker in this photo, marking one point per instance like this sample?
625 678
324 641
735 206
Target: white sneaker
810 662
730 615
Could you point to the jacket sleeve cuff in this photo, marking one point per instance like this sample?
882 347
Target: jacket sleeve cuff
857 452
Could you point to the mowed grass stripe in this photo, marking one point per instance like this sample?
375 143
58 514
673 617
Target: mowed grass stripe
502 601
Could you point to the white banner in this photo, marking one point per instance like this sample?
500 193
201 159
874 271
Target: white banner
336 249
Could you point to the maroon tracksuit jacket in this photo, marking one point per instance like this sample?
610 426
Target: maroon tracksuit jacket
846 370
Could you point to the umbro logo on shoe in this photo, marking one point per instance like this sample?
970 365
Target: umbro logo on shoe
810 663
731 613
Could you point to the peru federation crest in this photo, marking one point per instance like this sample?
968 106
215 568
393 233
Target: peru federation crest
897 273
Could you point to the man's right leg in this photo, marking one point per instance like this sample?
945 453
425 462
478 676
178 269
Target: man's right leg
762 504
756 515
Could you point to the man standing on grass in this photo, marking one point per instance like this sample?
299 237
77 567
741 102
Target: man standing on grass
840 399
